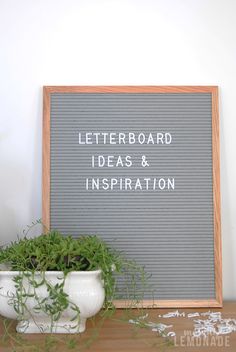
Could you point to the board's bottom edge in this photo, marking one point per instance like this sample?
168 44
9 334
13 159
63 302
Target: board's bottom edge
211 303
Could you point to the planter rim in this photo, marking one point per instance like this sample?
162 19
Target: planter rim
16 272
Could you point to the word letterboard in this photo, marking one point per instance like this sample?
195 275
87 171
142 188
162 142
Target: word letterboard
139 166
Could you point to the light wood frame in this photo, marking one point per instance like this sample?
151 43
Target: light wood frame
217 301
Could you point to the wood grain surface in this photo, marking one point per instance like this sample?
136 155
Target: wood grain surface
130 89
117 335
216 194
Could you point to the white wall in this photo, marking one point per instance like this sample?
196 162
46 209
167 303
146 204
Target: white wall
106 42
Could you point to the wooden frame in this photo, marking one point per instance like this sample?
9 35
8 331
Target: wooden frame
217 302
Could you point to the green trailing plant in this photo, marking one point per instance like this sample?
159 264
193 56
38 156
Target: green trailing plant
55 252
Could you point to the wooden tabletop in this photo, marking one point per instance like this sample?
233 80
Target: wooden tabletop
117 335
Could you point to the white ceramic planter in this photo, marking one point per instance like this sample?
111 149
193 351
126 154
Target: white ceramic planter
85 289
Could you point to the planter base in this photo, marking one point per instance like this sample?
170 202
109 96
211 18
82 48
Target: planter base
84 290
62 327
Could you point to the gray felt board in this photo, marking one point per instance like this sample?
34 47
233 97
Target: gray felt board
169 227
